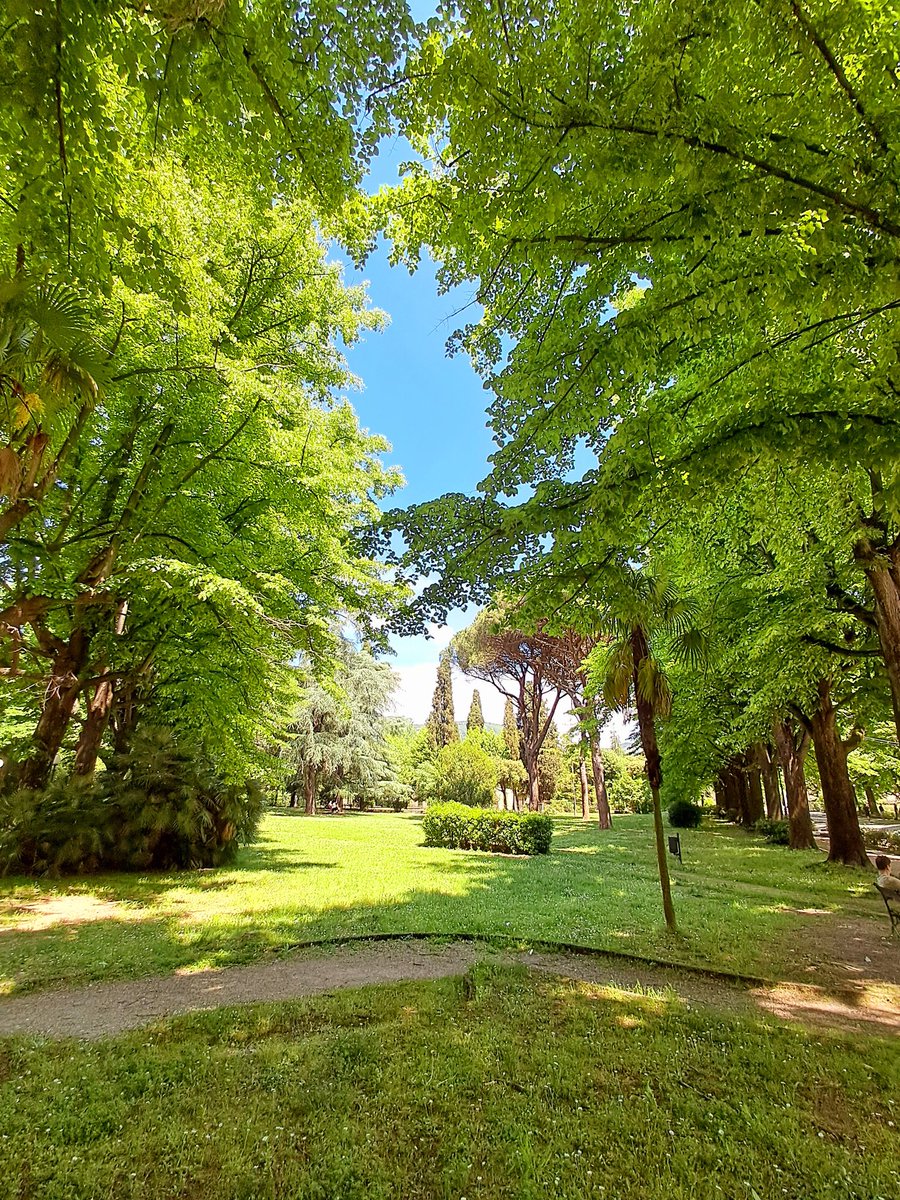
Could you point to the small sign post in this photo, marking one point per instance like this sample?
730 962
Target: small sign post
675 846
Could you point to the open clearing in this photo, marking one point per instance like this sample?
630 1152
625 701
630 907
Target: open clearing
471 1069
742 905
500 1083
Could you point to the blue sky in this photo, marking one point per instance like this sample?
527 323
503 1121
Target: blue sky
432 409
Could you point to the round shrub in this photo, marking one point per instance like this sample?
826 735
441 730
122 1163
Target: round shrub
684 815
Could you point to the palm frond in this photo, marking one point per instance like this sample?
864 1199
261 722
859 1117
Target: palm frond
654 687
690 646
609 669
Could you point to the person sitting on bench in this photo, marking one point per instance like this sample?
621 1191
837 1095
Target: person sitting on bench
887 884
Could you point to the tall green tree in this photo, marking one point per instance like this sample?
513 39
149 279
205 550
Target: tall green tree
441 724
475 719
337 744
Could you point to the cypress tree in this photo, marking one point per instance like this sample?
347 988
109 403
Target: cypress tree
442 721
475 719
510 730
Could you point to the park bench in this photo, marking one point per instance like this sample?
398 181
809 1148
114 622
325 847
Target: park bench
892 904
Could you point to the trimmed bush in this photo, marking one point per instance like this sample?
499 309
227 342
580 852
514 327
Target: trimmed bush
536 832
158 808
461 827
684 815
777 832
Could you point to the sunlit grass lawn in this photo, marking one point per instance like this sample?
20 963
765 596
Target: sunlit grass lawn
494 1086
332 877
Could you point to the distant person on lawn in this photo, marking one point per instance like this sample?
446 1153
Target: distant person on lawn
885 881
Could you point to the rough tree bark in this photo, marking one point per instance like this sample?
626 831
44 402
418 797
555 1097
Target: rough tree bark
769 771
734 783
99 708
87 750
845 840
792 743
650 746
65 683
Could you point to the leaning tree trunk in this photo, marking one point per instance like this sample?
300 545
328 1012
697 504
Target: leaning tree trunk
792 753
87 751
650 746
883 573
59 703
845 836
99 710
871 802
604 815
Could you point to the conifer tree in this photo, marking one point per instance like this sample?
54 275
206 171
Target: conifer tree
475 719
442 728
510 730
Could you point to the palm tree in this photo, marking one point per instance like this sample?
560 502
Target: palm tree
642 615
48 365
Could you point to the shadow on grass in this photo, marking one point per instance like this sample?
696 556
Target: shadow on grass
455 1088
594 892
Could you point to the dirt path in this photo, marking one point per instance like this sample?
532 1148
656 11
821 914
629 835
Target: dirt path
106 1009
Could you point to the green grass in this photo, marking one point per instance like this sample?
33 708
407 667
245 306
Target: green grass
332 877
494 1086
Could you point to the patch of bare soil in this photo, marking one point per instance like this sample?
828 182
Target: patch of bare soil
65 910
837 950
107 1009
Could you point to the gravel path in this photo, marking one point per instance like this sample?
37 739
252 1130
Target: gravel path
106 1009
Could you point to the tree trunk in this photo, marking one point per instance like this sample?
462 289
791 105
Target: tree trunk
534 783
871 803
845 837
91 737
720 794
647 728
59 703
755 806
126 707
604 815
792 749
584 789
885 584
309 790
769 773
736 793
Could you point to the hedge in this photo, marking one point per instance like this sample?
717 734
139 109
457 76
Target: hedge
459 827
